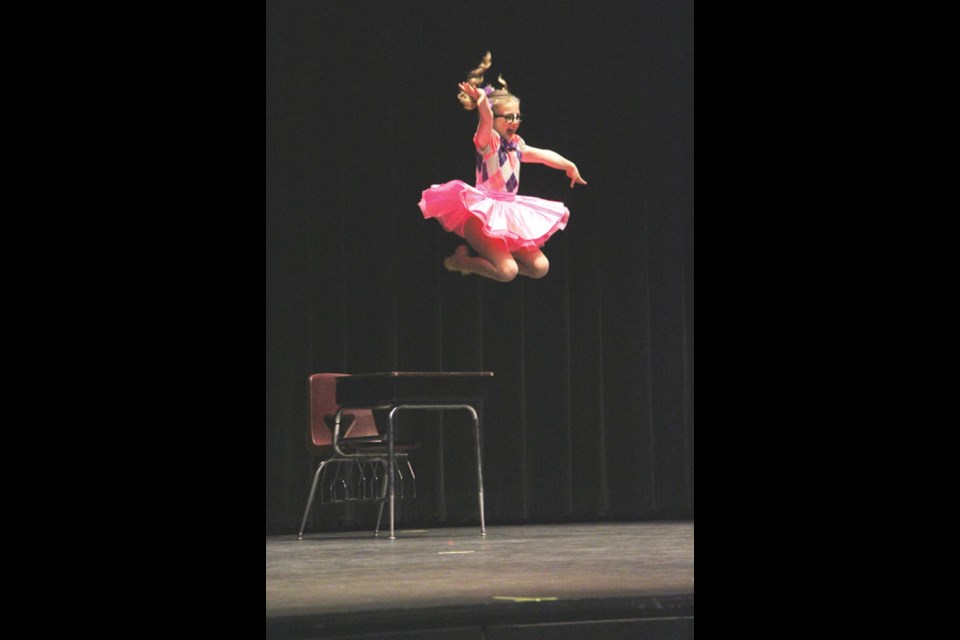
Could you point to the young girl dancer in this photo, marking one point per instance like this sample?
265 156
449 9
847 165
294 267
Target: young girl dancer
505 230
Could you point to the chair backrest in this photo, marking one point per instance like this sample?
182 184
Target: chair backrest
323 405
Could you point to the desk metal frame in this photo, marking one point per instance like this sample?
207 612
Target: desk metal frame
391 455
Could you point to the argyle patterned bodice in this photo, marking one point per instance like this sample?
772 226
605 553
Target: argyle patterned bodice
498 164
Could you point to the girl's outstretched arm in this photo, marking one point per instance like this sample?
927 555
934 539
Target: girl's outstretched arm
483 108
555 161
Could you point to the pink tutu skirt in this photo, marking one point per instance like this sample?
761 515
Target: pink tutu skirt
520 221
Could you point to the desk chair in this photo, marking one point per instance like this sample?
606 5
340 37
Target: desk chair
354 448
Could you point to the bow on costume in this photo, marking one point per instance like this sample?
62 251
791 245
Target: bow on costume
505 147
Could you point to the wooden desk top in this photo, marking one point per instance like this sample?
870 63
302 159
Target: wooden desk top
415 387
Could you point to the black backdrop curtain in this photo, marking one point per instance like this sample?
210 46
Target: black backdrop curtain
591 412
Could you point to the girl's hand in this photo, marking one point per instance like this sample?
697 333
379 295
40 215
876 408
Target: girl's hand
470 90
574 176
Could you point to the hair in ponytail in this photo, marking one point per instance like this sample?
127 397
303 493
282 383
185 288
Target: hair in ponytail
475 78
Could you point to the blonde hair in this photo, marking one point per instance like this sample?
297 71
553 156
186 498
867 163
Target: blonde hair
475 78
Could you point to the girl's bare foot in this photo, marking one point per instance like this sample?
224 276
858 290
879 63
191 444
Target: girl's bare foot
452 263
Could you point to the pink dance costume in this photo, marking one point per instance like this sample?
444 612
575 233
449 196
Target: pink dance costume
520 221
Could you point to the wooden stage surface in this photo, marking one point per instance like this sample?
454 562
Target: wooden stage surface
633 580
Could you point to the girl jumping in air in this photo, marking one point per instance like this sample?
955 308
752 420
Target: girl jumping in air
505 230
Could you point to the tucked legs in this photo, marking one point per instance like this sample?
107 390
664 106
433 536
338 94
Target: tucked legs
493 260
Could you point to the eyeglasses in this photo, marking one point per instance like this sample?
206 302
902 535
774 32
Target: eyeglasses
510 117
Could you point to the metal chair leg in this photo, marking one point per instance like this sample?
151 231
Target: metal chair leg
413 477
383 500
313 489
357 485
400 478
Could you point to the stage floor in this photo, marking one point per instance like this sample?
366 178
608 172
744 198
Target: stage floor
454 581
